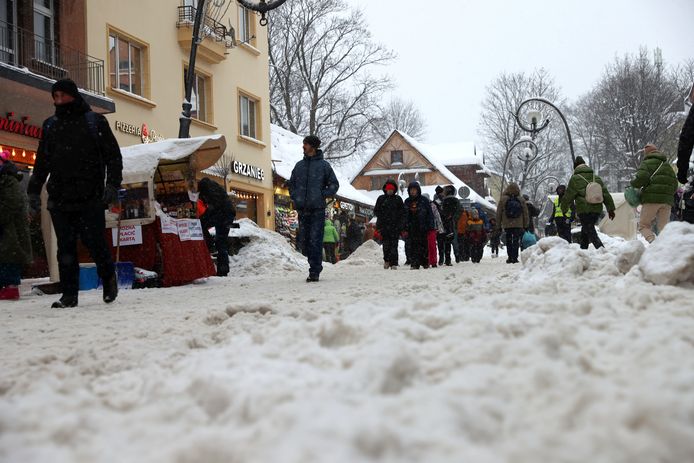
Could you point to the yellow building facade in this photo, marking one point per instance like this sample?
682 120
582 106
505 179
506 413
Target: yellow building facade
145 46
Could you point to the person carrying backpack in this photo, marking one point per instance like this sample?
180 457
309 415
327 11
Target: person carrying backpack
512 217
657 179
82 157
590 193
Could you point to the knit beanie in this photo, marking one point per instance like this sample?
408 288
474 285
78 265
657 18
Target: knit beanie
579 160
390 186
66 86
313 141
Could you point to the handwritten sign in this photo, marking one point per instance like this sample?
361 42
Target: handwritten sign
130 235
168 225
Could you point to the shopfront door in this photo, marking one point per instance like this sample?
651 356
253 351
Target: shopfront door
246 203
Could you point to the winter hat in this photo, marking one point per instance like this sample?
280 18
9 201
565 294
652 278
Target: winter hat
650 148
66 86
579 161
390 186
438 189
312 141
561 188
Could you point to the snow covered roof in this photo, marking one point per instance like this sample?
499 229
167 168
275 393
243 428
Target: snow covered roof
287 151
424 150
141 161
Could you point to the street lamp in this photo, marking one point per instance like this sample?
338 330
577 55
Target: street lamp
537 124
529 154
261 6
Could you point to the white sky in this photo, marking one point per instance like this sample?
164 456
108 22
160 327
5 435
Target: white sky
449 50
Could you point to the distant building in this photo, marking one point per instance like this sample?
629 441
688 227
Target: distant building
403 157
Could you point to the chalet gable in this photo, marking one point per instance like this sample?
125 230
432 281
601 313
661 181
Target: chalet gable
395 156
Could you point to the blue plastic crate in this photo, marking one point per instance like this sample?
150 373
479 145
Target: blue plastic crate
89 279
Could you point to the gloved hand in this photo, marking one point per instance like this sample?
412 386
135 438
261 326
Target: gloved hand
34 203
110 195
611 214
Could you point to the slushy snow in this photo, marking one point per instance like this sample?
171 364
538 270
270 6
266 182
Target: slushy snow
565 359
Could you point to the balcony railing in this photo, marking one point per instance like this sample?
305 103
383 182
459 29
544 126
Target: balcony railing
209 27
45 57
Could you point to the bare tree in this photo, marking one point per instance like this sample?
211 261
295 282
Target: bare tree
500 132
322 81
224 167
399 114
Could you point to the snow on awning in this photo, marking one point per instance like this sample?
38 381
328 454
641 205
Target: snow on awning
396 172
141 161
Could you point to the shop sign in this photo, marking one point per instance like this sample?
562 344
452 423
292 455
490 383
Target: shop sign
168 225
346 206
7 124
146 134
186 229
248 170
130 235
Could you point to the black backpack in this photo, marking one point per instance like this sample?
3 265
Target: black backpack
514 208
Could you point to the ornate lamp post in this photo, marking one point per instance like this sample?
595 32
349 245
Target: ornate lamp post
261 6
529 153
535 117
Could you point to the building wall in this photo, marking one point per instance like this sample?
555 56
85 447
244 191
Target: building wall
469 175
245 68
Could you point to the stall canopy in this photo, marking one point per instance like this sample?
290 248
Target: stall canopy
140 162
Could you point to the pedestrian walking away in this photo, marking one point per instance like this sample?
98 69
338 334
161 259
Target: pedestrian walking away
419 221
494 237
589 193
80 154
312 182
15 241
512 217
354 237
440 234
450 212
330 240
390 222
658 183
476 236
561 220
220 214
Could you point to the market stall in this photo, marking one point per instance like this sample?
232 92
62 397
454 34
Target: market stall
159 229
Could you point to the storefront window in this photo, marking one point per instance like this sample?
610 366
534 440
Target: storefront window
246 205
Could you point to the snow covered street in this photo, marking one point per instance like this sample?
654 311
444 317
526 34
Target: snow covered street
480 363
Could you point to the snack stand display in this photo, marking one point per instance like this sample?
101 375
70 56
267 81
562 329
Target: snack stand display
159 229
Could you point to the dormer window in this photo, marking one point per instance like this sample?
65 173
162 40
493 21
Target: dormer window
396 157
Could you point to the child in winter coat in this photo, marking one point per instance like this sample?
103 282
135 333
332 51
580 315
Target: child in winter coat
475 236
330 240
494 238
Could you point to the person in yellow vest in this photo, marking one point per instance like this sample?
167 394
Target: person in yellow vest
562 220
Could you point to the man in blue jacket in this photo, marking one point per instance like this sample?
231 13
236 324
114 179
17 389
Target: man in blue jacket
311 183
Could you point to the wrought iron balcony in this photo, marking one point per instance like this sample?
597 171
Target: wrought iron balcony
25 50
209 28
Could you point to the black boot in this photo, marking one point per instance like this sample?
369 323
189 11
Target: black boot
312 278
110 289
65 302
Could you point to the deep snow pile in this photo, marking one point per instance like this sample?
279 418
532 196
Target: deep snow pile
267 253
669 260
369 253
463 363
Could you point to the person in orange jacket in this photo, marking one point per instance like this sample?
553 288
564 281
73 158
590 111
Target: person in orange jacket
463 245
475 236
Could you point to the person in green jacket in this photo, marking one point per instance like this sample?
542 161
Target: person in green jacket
588 213
15 241
330 240
658 181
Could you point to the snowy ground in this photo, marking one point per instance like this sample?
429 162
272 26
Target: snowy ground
479 363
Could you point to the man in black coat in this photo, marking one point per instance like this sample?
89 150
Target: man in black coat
390 218
449 215
78 151
684 154
420 219
311 183
220 214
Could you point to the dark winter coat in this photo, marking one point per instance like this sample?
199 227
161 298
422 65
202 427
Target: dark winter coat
657 178
450 211
219 208
502 219
76 158
420 219
390 213
15 241
532 212
576 190
684 149
312 181
354 236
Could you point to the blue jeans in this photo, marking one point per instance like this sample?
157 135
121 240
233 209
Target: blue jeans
311 224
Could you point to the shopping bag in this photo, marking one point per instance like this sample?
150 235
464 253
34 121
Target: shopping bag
632 196
529 239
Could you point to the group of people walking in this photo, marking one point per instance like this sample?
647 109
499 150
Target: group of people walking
434 231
